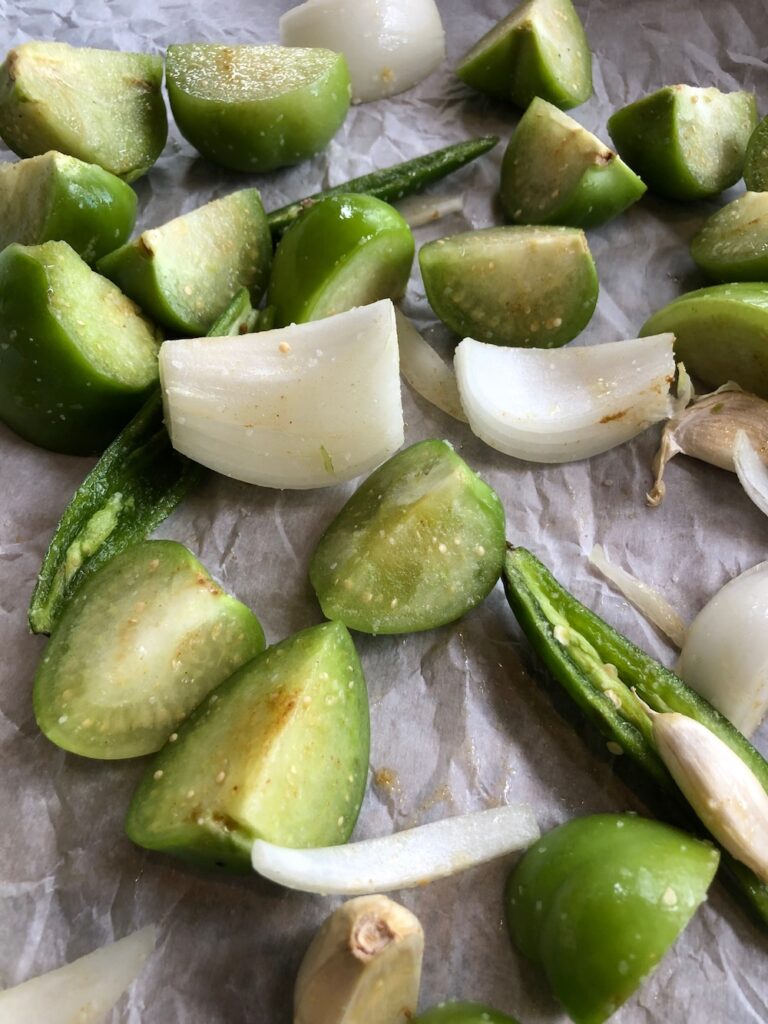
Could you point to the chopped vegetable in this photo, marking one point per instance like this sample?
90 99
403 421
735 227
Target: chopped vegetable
144 641
545 406
529 286
101 106
419 544
420 210
599 901
307 406
756 162
83 991
750 466
721 334
685 142
77 358
540 49
185 272
256 108
733 243
402 860
556 172
725 654
279 751
463 1013
362 967
344 251
427 373
389 45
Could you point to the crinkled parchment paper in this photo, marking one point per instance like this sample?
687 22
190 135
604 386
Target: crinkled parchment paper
459 720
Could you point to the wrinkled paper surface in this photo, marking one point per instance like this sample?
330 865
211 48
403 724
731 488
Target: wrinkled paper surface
460 720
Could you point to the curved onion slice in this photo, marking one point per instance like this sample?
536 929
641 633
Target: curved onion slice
647 600
420 210
751 470
425 371
389 45
559 405
309 405
83 991
403 860
725 655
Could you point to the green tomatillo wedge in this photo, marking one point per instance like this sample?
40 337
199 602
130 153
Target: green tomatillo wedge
733 243
556 172
344 251
77 358
463 1013
277 752
756 162
529 286
185 272
598 902
684 142
420 543
255 108
102 106
540 49
58 197
721 334
136 649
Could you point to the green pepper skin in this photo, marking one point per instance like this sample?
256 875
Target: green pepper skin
344 251
756 162
598 901
463 1013
59 197
721 334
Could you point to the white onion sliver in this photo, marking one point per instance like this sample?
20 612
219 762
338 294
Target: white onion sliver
725 655
420 210
403 860
685 393
389 45
84 990
645 598
309 405
751 470
428 374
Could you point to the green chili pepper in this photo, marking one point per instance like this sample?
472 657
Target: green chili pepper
392 183
599 668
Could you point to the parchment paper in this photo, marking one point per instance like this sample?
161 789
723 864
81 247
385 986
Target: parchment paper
459 721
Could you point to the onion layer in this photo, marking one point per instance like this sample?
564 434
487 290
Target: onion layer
425 371
306 406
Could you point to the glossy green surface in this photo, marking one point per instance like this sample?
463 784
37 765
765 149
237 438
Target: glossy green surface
556 172
185 272
57 197
344 251
598 901
684 142
77 358
136 650
721 334
540 49
419 544
463 1013
756 161
102 106
278 752
733 243
529 286
256 108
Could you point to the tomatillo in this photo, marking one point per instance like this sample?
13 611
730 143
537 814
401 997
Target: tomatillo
463 1013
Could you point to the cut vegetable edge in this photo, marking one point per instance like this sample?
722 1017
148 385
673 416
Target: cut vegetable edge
426 372
751 470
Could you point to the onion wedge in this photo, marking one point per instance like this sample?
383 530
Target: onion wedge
308 405
560 405
403 860
751 470
421 210
428 374
83 991
389 45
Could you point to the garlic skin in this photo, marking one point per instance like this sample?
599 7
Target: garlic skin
719 786
362 967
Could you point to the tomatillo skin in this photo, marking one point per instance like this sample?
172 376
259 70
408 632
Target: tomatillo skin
463 1013
344 251
598 901
77 358
256 108
732 244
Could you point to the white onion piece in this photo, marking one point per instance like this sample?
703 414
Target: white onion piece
645 598
751 470
725 655
403 860
82 992
559 405
309 405
389 45
421 210
428 374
